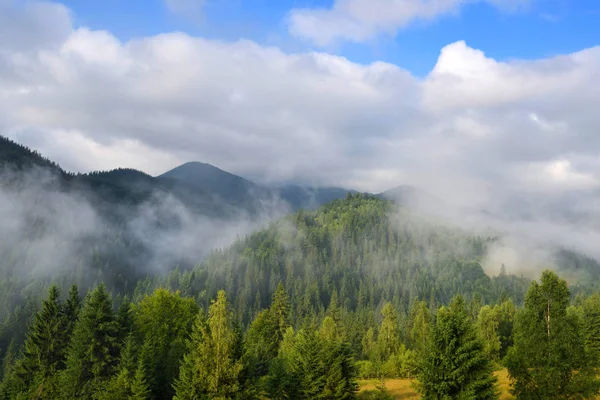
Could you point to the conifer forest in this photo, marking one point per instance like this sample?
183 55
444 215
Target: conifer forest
306 307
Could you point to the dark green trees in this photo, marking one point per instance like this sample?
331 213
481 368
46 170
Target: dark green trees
36 370
456 366
549 358
94 350
265 335
313 365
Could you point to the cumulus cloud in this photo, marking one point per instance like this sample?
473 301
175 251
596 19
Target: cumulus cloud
362 20
472 131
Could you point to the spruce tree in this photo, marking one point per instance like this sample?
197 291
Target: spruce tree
72 307
280 312
120 385
549 359
163 321
456 367
591 321
260 346
93 353
44 351
210 369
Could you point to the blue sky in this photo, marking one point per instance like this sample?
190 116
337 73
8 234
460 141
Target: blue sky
542 29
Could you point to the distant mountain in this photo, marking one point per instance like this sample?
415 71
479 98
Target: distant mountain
221 185
242 192
210 179
311 197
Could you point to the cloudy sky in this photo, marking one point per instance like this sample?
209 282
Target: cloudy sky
460 96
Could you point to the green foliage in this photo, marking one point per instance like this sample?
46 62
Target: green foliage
210 368
163 322
456 366
313 365
548 359
94 350
591 327
44 353
487 325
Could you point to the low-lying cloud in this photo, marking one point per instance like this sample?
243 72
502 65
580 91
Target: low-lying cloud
475 131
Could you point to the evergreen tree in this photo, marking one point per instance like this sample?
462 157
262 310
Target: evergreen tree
121 385
44 351
124 318
456 367
313 365
94 351
72 307
280 312
261 344
591 320
163 321
548 359
210 369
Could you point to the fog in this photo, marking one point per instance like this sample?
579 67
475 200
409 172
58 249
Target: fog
51 229
530 227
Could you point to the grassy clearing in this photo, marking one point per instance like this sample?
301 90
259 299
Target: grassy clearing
403 389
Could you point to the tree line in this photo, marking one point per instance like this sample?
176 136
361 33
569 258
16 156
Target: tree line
167 346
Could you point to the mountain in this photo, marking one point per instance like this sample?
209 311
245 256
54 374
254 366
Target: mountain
210 179
242 192
310 197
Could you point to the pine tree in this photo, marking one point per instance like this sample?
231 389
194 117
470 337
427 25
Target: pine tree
210 368
280 312
119 386
548 359
93 353
591 320
456 367
163 321
261 344
44 351
72 307
139 385
124 318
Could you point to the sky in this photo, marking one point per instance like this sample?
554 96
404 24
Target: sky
468 98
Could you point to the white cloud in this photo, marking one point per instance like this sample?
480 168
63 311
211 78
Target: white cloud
473 130
362 20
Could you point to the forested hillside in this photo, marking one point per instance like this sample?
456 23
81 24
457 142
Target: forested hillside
358 288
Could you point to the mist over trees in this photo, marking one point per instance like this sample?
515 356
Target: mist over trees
103 296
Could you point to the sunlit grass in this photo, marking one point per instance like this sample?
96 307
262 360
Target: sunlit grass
403 389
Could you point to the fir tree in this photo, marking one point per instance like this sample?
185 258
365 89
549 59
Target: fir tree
456 367
591 321
163 321
72 307
44 351
280 312
210 368
93 353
